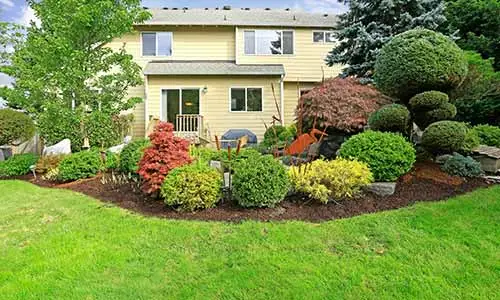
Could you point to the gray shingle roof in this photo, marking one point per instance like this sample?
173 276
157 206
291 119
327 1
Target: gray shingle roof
210 68
240 17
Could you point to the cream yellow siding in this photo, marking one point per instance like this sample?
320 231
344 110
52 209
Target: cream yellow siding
292 94
214 104
306 64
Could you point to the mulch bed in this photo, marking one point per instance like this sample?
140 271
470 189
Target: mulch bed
426 182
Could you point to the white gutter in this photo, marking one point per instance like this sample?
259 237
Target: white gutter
282 100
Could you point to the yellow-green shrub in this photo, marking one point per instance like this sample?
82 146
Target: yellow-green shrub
323 180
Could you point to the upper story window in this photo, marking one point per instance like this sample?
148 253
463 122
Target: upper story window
269 42
157 43
324 36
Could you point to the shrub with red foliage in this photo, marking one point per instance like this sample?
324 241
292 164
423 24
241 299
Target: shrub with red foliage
166 153
341 104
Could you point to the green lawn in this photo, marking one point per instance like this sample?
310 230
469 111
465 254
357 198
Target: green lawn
56 244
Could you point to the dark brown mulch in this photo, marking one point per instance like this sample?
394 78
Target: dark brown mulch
418 185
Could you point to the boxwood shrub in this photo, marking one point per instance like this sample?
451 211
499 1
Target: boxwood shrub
419 60
388 155
17 165
391 118
488 135
132 154
192 187
462 166
430 107
15 126
80 165
444 137
260 181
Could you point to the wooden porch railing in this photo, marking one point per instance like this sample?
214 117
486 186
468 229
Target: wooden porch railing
190 127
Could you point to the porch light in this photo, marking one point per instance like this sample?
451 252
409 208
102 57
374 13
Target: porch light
205 90
189 103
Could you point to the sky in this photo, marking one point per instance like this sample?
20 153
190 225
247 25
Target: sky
17 11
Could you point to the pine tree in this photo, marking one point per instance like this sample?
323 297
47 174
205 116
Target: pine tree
369 24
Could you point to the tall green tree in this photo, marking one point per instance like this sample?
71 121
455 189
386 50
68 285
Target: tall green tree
370 24
478 25
65 60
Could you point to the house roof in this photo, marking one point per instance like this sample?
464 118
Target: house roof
210 68
228 16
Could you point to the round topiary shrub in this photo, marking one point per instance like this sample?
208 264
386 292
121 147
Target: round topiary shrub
17 165
80 165
388 155
15 127
260 182
430 107
192 187
462 166
132 154
419 60
488 135
444 137
390 118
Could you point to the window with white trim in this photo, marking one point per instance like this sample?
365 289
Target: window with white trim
324 37
269 42
246 99
156 43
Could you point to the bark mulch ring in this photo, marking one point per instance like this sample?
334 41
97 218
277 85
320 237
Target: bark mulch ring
426 182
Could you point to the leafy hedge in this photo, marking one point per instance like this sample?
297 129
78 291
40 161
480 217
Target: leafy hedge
488 135
17 165
388 155
260 182
192 187
322 180
419 60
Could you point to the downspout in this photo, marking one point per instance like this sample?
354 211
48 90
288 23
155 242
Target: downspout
236 44
282 99
146 117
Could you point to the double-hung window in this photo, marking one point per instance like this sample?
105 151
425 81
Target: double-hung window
246 99
157 43
269 42
324 37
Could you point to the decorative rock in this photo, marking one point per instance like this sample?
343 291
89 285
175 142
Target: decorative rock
119 148
382 188
2 158
63 147
443 158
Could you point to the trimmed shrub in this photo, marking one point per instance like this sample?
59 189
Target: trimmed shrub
278 135
488 135
101 130
57 123
391 118
166 153
340 104
15 127
192 187
462 166
322 180
132 154
388 155
80 165
203 154
17 165
419 60
444 137
260 182
48 162
471 141
430 107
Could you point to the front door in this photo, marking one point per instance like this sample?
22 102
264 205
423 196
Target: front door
180 102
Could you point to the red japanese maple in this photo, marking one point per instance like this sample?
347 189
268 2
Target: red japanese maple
167 152
340 104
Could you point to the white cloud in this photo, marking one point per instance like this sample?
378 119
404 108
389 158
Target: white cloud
28 15
6 4
331 6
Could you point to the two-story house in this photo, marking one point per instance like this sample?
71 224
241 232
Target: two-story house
210 70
